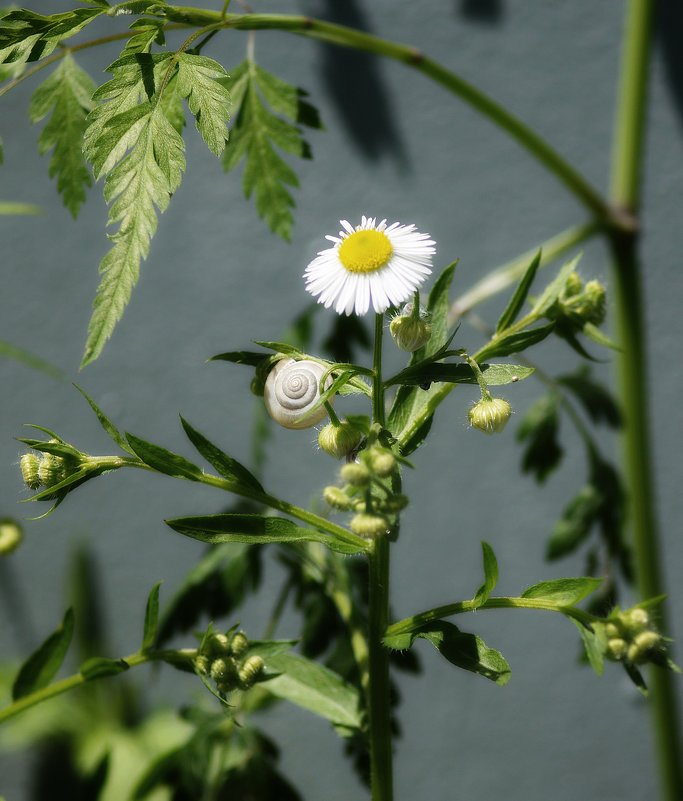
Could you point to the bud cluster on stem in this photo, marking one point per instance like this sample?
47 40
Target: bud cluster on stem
222 657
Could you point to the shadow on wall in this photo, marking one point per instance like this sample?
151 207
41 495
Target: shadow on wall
487 11
354 83
669 31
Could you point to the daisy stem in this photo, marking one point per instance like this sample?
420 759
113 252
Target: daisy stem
626 190
379 706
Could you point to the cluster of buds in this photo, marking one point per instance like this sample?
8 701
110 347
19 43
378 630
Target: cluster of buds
632 637
411 328
580 303
45 470
222 657
367 493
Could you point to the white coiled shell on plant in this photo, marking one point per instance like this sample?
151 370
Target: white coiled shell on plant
292 389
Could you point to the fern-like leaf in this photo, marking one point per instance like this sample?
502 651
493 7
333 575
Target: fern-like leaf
257 131
208 99
67 95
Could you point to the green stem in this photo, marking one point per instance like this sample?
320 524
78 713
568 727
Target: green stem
378 696
343 36
71 682
415 622
625 192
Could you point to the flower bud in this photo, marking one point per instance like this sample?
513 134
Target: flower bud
574 284
490 414
369 526
51 469
202 664
11 535
395 503
408 333
219 644
635 620
382 461
30 464
595 302
616 648
642 646
612 630
239 643
223 672
355 474
339 440
336 498
251 669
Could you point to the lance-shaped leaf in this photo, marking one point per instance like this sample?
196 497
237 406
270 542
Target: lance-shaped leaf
66 94
99 667
142 183
208 99
464 650
106 423
149 634
316 688
508 344
514 307
225 465
43 664
490 576
255 134
495 375
257 529
564 591
162 460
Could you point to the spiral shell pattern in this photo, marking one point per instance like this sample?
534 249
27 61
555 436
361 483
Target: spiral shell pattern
291 390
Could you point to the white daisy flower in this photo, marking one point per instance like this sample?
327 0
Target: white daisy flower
376 265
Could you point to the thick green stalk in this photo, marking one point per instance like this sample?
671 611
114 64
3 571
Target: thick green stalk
625 192
379 706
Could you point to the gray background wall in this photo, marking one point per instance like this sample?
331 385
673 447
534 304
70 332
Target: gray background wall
400 147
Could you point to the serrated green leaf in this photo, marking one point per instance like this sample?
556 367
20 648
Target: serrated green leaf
207 98
225 465
66 94
563 591
595 398
142 182
255 529
27 36
41 667
316 688
255 133
508 344
151 618
576 522
147 31
490 576
514 307
99 667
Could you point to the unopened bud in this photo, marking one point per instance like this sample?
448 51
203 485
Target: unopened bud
51 469
408 333
239 643
612 630
596 302
395 503
369 526
251 669
11 535
382 462
636 620
339 440
490 414
219 644
355 474
616 648
223 673
574 284
30 464
642 646
336 498
202 664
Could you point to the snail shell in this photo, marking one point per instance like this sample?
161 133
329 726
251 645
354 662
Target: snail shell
292 389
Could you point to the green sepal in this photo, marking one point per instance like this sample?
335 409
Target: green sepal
563 591
151 625
317 689
99 667
490 576
257 529
41 667
514 307
163 461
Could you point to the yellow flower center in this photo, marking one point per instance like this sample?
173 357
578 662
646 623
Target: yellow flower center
365 251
